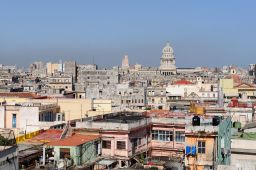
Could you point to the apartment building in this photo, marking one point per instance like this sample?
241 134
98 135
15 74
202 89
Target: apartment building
207 142
124 135
28 116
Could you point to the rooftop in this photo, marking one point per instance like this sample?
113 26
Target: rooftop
182 82
20 95
164 114
115 121
74 140
121 117
244 135
49 135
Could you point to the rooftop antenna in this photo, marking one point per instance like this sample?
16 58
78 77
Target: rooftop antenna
92 59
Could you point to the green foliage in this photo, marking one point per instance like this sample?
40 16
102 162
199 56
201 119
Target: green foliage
148 108
5 142
142 158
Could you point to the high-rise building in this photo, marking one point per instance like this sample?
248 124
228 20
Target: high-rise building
167 63
38 69
70 69
54 68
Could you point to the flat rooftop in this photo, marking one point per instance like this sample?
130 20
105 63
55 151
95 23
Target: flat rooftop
121 118
115 121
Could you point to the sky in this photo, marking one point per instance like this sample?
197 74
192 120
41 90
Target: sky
202 33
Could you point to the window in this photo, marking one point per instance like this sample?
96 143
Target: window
162 135
58 117
155 134
139 141
64 153
179 136
120 145
13 120
211 87
201 146
106 144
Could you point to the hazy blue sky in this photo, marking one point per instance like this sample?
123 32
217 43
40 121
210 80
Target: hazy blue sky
208 33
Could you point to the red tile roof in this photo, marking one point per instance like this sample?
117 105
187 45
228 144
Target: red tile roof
49 135
74 140
235 77
245 84
182 82
19 94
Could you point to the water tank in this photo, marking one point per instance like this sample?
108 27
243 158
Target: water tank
188 150
237 125
174 108
215 121
193 150
196 121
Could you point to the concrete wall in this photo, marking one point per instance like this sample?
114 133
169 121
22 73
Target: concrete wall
124 153
29 118
243 144
82 154
228 87
73 108
78 108
113 151
200 159
243 160
2 117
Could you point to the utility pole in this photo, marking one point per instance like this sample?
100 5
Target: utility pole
81 112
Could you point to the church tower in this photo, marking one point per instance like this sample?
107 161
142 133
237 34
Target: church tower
167 63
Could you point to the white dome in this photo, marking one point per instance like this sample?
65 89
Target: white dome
167 48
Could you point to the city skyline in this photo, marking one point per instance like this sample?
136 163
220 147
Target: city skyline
203 33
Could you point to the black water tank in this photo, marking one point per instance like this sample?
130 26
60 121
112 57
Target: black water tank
174 108
215 121
196 121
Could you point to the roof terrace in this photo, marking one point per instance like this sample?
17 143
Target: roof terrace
124 121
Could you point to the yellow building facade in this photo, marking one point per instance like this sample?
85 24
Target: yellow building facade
73 108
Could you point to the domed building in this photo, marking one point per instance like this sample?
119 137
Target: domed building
167 63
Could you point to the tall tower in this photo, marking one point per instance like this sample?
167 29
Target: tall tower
167 63
125 62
